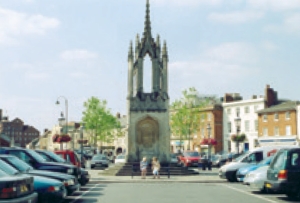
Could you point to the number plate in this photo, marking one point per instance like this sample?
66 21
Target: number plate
24 188
268 185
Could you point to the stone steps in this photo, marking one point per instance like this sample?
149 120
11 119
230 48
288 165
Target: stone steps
126 169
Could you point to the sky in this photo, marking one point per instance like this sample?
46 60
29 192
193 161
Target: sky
73 50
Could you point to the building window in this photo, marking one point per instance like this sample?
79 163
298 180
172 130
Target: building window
202 117
247 126
276 131
288 130
255 108
209 116
202 132
256 125
276 116
229 127
247 110
237 112
228 111
265 117
265 131
287 115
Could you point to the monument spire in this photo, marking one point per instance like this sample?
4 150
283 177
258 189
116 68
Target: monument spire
147 30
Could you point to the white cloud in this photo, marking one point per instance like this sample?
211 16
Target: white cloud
269 46
276 5
14 24
77 54
229 60
290 25
186 2
237 17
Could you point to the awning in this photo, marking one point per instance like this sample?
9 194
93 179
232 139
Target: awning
278 141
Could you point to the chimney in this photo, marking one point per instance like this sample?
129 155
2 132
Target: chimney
228 98
254 96
45 130
118 115
271 97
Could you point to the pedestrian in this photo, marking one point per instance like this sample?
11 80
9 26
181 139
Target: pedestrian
155 167
143 166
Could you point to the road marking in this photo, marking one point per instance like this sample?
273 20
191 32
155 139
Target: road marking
80 196
242 191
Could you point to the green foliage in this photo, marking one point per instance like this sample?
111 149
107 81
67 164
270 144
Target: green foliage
238 138
99 120
186 114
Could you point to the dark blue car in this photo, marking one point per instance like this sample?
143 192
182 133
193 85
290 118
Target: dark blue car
49 190
69 181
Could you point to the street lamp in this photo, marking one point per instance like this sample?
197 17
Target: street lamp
237 121
66 112
208 135
81 138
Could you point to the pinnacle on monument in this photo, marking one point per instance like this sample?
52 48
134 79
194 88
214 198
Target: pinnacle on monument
130 52
147 30
165 49
158 40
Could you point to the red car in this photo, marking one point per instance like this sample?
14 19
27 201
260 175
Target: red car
71 157
189 158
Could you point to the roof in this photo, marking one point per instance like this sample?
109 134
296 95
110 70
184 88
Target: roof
283 106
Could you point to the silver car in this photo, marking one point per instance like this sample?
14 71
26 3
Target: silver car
99 160
256 179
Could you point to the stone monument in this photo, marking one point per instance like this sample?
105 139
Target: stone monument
148 112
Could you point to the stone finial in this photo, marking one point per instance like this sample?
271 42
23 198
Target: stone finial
147 30
157 40
165 50
130 52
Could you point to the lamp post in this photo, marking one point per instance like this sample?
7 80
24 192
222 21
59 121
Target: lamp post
81 138
237 121
208 135
66 112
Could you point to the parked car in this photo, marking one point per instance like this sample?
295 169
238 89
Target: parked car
241 173
48 190
70 156
284 173
67 157
174 159
120 159
189 158
69 181
38 162
16 189
99 160
256 179
228 171
87 154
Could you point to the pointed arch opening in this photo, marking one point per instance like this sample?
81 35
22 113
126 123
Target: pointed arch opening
147 74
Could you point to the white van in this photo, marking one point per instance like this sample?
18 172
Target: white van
228 171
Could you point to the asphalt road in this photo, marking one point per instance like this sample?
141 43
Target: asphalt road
171 193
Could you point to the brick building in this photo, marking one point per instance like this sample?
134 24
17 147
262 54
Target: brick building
278 124
18 133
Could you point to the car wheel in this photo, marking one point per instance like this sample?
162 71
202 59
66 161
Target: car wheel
263 190
293 195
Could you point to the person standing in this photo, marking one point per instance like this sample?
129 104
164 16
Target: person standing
155 167
143 167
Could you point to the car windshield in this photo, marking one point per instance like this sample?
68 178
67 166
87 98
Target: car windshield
55 156
99 158
18 164
240 157
35 155
191 154
121 157
173 156
7 168
2 173
266 161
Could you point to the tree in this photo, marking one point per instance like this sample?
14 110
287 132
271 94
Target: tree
186 114
98 119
